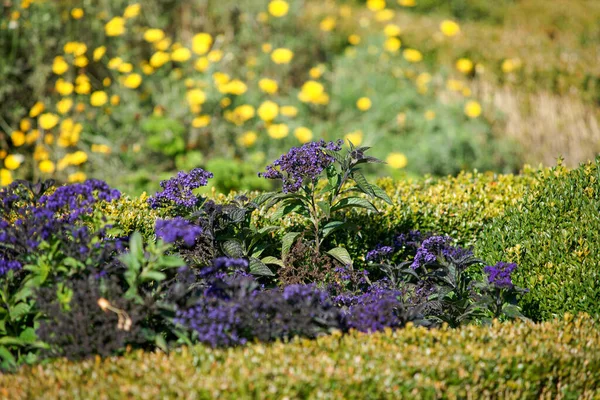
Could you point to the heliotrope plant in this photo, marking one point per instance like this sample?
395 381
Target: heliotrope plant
300 171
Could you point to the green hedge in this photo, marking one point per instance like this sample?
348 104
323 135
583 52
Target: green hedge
557 359
553 235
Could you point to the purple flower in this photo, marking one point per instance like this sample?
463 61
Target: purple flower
411 239
222 265
499 275
429 250
172 230
8 265
178 190
301 164
379 253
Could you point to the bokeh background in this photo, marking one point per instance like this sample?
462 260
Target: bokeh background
131 92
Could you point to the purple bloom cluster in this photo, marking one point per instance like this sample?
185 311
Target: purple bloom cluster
8 265
456 252
172 230
379 253
78 198
499 275
411 239
429 250
179 189
374 310
222 265
301 163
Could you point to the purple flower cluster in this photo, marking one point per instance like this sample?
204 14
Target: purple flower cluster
429 250
221 266
179 189
78 198
301 163
8 265
411 239
499 275
374 310
379 253
173 230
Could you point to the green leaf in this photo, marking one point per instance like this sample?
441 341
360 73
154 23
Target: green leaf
17 311
353 202
257 267
171 262
325 206
153 276
341 254
28 335
331 227
161 343
287 243
288 208
136 249
7 356
273 260
362 183
261 198
380 193
233 248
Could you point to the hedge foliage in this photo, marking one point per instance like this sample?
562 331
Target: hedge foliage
557 359
553 234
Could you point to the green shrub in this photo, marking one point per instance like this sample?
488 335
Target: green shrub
553 235
508 360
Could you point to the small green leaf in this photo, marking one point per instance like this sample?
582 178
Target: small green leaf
257 267
331 227
353 202
28 335
380 193
362 183
287 242
341 254
153 276
325 206
7 356
261 198
273 260
17 311
233 248
161 343
171 262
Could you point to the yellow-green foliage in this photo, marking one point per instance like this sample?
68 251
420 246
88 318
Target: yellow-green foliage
131 214
558 359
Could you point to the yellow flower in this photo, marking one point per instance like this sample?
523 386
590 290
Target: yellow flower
17 138
59 65
278 131
162 45
201 43
355 137
268 85
76 177
48 121
36 109
195 97
98 98
5 177
429 115
77 158
46 167
412 55
100 148
392 30
25 124
363 104
354 39
77 13
464 65
215 56
225 102
311 92
375 5
125 68
240 114
282 56
511 64
63 87
266 47
449 28
106 82
472 109
201 64
407 3
181 55
132 81
288 111
248 139
396 160
32 136
268 111
466 92
327 24
81 61
48 139
392 44
153 35
13 161
201 121
385 15
115 27
132 11
303 134
159 59
236 87
278 8
83 86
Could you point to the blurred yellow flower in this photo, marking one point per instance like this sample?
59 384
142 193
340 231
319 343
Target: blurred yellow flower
162 45
282 56
13 161
355 137
48 121
248 139
114 63
311 92
76 158
17 138
33 136
278 8
392 44
268 111
125 68
429 115
396 160
201 121
5 177
449 28
181 55
77 13
225 102
81 61
36 109
195 97
235 87
363 104
132 11
59 65
215 55
98 53
98 98
201 43
266 47
25 124
106 82
83 86
327 24
115 27
153 35
407 3
100 148
375 5
220 78
147 69
46 167
401 119
511 64
464 65
268 86
132 81
278 131
466 91
385 15
159 59
354 39
412 55
454 85
392 30
303 134
48 139
63 87
76 177
472 109
240 114
288 111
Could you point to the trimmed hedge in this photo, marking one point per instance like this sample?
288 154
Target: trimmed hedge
557 359
553 234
